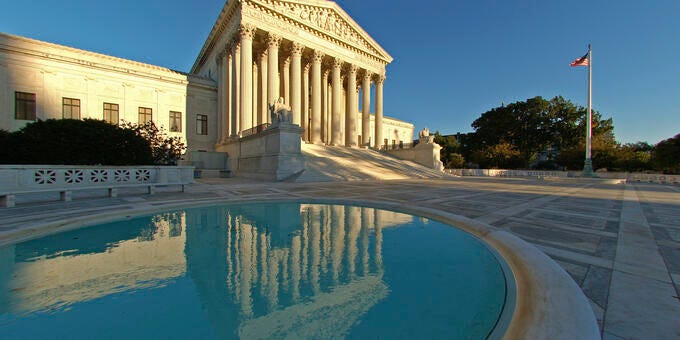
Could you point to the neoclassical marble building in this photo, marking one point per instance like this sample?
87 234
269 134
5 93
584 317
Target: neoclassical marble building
308 52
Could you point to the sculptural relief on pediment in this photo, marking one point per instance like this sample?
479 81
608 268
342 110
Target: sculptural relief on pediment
326 20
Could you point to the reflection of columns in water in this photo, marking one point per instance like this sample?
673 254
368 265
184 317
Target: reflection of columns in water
337 239
273 281
354 224
230 268
264 258
237 256
364 240
284 268
316 247
378 240
305 242
325 236
295 267
246 269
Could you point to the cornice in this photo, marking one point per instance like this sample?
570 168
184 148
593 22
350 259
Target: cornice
226 15
49 51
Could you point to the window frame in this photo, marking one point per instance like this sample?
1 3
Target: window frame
175 117
144 112
70 103
202 124
27 109
110 111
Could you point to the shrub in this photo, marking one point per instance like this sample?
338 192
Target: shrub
77 142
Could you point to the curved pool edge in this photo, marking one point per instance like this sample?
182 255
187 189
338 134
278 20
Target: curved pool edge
548 303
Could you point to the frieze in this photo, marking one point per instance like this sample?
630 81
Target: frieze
314 25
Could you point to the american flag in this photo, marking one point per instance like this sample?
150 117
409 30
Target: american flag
583 61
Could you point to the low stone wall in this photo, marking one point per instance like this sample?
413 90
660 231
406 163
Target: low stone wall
426 154
274 154
20 179
630 177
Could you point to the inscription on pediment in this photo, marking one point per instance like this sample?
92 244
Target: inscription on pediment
325 19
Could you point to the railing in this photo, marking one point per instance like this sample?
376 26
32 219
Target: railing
254 130
400 146
18 179
630 177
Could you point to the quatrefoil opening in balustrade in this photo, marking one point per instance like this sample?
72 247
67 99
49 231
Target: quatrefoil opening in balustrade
74 176
121 175
45 176
99 176
143 175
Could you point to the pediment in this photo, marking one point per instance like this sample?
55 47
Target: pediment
327 18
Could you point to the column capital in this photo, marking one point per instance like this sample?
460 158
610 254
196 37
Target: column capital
296 49
247 31
337 63
307 67
351 68
367 75
235 46
318 56
273 40
286 62
263 55
379 78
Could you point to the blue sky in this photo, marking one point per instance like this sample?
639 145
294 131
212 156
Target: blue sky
453 60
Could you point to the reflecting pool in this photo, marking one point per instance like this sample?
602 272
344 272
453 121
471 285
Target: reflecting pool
251 271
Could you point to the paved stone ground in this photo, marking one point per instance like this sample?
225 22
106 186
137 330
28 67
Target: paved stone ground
620 243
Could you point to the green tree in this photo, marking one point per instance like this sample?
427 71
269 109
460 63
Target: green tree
538 125
165 150
634 157
666 155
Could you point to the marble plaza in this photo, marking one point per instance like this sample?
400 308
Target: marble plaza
617 242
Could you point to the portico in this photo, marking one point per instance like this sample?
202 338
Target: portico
312 54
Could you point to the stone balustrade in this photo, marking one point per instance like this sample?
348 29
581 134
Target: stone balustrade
21 179
630 177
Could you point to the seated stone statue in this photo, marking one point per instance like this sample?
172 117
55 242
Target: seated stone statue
280 113
424 136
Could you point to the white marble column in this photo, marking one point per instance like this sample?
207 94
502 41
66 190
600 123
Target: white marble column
336 106
273 43
351 107
247 32
316 97
366 109
305 102
226 95
256 106
325 137
295 82
236 90
286 80
220 98
264 116
379 81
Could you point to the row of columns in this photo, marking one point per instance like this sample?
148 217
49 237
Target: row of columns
315 100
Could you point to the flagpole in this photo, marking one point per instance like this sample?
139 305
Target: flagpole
588 164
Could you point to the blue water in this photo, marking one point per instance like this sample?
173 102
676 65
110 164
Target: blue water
253 271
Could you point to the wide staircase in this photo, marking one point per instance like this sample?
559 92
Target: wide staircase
326 163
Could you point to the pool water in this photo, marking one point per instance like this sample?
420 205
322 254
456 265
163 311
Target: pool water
253 271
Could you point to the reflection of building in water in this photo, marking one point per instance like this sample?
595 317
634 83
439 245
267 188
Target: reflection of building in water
62 269
295 270
262 269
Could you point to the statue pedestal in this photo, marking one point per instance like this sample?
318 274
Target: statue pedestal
274 154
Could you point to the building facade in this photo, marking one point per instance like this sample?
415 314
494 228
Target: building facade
310 53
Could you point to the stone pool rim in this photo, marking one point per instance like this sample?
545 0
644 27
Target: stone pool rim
547 302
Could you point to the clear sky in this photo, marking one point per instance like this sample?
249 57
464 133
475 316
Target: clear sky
453 60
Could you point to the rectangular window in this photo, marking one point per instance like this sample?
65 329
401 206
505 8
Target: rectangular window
111 113
24 106
175 121
201 124
70 108
145 115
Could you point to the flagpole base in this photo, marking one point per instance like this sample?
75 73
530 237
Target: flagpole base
588 168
